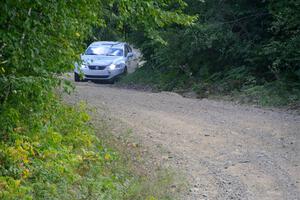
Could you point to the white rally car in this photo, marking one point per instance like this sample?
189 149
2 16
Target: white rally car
104 61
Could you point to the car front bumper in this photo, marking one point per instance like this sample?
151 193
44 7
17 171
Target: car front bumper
105 74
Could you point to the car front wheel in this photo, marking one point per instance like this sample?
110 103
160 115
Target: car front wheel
76 77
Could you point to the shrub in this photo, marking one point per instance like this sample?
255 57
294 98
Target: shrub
54 154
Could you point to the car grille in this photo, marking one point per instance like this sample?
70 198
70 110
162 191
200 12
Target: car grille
96 76
96 67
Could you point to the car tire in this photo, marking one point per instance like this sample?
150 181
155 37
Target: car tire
76 77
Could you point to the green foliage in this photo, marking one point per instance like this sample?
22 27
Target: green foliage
232 46
39 40
123 16
43 157
274 93
47 149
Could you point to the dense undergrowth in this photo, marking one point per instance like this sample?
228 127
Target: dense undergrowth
246 50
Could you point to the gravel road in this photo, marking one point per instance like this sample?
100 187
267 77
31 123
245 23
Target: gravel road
226 151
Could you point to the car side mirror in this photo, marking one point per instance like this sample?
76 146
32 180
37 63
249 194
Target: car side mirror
130 54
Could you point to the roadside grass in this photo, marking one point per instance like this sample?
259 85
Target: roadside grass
152 79
142 79
272 94
51 151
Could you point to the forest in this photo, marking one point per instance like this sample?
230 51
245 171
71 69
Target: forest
246 49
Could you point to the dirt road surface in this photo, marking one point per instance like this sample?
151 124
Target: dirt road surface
226 151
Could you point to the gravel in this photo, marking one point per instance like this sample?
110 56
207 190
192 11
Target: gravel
225 151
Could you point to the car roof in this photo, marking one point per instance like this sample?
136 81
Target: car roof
107 43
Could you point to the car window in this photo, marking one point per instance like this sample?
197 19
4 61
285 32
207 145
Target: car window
126 51
104 50
129 48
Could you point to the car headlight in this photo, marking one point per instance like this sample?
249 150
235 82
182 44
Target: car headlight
112 66
83 66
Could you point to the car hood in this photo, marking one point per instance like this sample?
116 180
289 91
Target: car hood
100 60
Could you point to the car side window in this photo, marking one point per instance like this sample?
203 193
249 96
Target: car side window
126 51
129 48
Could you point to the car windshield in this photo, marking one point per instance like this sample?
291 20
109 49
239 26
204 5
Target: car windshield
104 51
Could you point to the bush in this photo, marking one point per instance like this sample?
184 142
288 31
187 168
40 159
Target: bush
54 154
